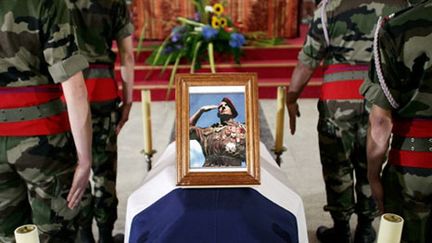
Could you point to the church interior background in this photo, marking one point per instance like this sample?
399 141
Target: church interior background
286 19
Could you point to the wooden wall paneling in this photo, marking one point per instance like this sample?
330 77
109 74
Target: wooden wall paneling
277 18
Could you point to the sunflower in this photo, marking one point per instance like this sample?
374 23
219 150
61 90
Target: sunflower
218 9
216 23
223 22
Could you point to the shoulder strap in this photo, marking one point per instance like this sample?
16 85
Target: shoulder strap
324 21
376 53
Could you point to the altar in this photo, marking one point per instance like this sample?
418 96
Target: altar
159 211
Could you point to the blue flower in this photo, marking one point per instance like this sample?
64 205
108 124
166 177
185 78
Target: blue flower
177 33
167 50
236 40
209 33
176 37
197 16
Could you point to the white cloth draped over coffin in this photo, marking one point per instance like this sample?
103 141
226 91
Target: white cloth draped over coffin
159 210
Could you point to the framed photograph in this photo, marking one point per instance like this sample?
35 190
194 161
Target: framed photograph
217 130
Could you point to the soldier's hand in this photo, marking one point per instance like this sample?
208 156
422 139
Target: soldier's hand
209 107
293 113
377 194
79 184
124 116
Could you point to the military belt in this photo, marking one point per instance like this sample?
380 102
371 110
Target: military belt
98 73
44 110
412 144
342 81
344 76
99 70
345 67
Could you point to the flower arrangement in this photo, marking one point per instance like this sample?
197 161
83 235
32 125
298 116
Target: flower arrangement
197 39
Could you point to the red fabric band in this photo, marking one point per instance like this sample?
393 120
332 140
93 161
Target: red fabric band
45 126
101 89
100 65
15 97
341 90
410 158
417 128
338 68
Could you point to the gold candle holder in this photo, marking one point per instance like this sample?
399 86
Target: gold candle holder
148 158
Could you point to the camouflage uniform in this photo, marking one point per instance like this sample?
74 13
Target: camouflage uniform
98 24
37 155
342 123
405 44
223 144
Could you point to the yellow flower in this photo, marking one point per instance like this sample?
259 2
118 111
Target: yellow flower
216 23
218 9
223 22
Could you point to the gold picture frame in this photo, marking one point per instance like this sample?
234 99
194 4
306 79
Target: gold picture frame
217 129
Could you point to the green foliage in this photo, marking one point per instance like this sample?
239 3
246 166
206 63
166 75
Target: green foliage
196 40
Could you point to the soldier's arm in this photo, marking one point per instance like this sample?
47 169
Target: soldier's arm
300 77
127 74
379 132
313 52
193 133
65 65
75 93
196 116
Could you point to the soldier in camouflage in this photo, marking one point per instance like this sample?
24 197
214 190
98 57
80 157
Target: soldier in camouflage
400 89
223 143
341 36
42 174
98 24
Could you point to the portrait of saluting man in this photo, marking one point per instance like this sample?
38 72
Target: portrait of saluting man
223 143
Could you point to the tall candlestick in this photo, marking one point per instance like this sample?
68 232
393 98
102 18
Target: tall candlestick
390 229
280 114
146 111
27 234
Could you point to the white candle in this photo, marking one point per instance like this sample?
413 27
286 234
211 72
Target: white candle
390 229
280 114
27 234
146 112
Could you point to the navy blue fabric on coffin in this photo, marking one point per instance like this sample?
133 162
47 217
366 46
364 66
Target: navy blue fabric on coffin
216 215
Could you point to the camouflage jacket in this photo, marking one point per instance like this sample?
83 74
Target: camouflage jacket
222 141
37 43
405 46
98 24
350 26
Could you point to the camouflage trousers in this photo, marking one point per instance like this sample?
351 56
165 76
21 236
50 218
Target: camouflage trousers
104 167
35 177
342 129
408 193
